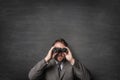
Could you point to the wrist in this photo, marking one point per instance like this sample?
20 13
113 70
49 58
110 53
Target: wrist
72 61
46 59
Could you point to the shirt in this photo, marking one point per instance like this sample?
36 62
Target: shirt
61 65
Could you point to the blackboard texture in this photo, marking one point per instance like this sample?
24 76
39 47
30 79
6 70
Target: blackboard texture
29 27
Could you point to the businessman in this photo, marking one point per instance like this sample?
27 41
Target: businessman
59 64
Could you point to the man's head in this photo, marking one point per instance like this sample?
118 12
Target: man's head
60 44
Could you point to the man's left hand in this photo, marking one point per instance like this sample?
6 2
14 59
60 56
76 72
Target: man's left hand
69 56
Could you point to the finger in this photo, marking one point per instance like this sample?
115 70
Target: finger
69 52
50 51
51 48
65 53
67 48
54 55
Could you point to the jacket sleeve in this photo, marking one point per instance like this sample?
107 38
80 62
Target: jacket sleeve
80 72
37 70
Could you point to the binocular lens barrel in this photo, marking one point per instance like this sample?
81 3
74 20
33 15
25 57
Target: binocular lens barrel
59 50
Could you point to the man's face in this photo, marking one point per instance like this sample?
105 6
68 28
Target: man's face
59 57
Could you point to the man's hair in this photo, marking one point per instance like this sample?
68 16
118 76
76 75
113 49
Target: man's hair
62 41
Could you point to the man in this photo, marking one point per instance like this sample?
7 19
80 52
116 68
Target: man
59 64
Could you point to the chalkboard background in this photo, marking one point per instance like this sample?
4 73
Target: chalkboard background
29 27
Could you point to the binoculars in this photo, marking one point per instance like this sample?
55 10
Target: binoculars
59 50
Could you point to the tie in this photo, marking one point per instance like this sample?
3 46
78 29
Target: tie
59 69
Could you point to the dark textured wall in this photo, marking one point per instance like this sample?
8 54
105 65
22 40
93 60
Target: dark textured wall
29 27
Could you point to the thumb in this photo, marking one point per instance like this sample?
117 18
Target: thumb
65 54
54 54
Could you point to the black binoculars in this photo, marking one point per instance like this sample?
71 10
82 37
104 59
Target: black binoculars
59 50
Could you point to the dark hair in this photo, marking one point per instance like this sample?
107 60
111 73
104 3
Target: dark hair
62 41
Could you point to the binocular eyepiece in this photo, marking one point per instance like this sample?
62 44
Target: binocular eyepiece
59 50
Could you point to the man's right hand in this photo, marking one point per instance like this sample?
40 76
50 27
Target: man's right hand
50 55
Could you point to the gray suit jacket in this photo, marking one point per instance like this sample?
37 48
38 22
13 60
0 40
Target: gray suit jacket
44 71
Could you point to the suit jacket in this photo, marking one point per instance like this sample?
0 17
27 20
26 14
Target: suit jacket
49 71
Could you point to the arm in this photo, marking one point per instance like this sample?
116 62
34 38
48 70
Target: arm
80 71
37 70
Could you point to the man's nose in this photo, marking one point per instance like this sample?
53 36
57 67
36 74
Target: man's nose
60 53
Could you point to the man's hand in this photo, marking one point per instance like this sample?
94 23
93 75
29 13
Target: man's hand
50 55
69 56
